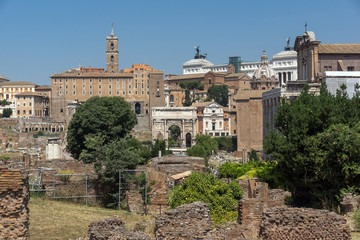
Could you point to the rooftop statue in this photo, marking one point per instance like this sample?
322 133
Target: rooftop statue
198 55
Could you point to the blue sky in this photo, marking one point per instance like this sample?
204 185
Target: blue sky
40 38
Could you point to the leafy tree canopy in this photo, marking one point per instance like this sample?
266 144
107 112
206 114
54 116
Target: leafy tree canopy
316 143
7 112
4 102
190 86
203 147
222 197
105 118
220 94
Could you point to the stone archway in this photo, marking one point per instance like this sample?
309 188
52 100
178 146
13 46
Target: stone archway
188 140
185 118
160 136
137 108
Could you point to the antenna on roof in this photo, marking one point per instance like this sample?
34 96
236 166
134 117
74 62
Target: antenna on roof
305 26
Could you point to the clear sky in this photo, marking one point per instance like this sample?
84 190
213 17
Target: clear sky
41 37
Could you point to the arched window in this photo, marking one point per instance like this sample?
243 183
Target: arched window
112 46
112 58
137 108
289 76
171 98
279 77
209 81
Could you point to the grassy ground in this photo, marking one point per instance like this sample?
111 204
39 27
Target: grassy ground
64 220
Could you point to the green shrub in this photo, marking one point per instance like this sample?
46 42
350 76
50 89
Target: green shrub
266 171
225 143
203 147
222 197
356 218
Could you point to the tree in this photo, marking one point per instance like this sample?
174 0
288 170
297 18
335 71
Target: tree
105 118
190 86
316 144
175 132
203 147
220 94
7 112
4 102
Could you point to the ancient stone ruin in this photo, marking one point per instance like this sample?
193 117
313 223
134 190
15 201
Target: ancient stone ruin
188 221
113 228
14 198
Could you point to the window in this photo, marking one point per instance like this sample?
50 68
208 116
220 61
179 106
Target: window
66 80
213 126
30 112
60 93
148 92
99 86
61 110
24 112
109 86
90 86
129 86
142 92
117 80
124 93
136 92
99 80
123 80
18 112
129 80
129 92
74 92
29 104
109 80
206 125
83 86
90 80
83 93
351 68
74 80
24 104
55 80
66 86
112 46
67 93
142 85
90 92
117 86
74 86
99 92
112 58
83 79
60 80
124 86
109 92
117 92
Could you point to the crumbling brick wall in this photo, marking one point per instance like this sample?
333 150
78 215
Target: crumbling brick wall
302 223
188 221
14 198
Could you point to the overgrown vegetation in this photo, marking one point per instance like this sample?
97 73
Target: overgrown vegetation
222 197
317 146
204 146
266 171
225 143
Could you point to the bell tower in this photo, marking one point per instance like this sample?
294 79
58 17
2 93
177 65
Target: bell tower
112 53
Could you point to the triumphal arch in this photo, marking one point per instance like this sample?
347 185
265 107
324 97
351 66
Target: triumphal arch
183 117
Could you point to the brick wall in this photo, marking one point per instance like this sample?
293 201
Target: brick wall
188 221
14 198
302 223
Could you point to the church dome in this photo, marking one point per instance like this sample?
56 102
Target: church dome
264 69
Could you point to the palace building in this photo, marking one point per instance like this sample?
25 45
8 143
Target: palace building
141 85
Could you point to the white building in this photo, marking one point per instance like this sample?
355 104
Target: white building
334 80
194 66
284 64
